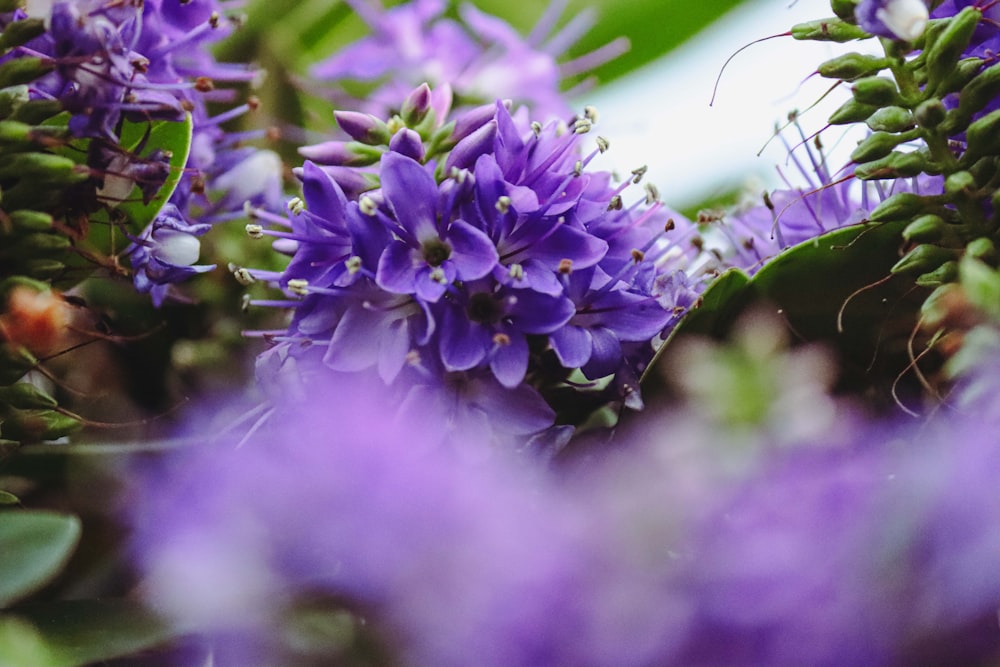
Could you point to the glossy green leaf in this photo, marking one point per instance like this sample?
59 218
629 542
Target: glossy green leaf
34 547
170 136
836 289
77 632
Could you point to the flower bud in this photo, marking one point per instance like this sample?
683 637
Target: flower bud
982 138
26 396
408 143
37 425
983 249
416 105
15 361
959 182
52 168
828 30
21 32
946 273
852 66
34 112
931 113
844 9
341 153
468 150
899 206
944 53
923 258
852 111
891 119
24 70
39 243
30 221
964 71
926 229
42 268
363 127
980 91
13 132
875 90
897 165
876 146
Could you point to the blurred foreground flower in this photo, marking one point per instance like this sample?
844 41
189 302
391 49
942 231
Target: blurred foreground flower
873 545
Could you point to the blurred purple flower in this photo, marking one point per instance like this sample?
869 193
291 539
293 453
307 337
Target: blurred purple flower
872 546
481 57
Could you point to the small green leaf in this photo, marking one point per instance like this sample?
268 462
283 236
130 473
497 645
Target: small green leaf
173 137
34 547
72 633
8 498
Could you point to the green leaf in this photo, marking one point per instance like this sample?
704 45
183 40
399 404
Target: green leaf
77 632
836 289
173 137
34 547
7 498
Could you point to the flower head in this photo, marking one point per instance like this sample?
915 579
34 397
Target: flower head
480 245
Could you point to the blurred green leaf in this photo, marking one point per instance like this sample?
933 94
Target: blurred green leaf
77 632
34 547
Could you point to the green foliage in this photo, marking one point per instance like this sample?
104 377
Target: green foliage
836 289
73 633
34 547
171 137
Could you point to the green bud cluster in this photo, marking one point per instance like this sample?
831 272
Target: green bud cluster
38 174
930 111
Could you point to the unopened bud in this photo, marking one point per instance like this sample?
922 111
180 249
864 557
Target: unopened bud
923 258
876 91
827 30
851 66
891 119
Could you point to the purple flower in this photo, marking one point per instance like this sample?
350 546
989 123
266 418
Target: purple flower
166 253
900 19
481 57
685 544
430 252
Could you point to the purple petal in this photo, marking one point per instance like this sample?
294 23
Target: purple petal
461 343
509 362
473 253
326 200
606 356
412 194
393 350
572 345
536 313
398 267
353 346
430 289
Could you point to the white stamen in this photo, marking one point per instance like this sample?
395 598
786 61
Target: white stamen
255 231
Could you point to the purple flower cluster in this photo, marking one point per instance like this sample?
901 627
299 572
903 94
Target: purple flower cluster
875 549
147 61
505 261
481 57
